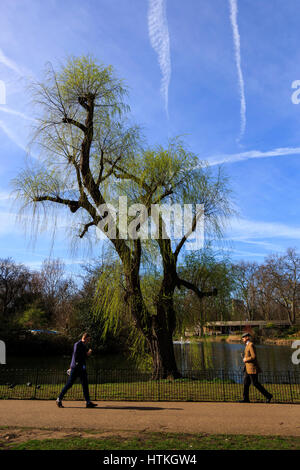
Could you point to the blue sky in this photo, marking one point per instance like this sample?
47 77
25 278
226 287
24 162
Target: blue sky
218 71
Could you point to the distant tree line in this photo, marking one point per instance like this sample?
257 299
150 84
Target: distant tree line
35 299
246 290
271 290
49 299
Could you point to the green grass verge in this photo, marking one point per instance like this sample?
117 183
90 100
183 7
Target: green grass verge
164 441
164 390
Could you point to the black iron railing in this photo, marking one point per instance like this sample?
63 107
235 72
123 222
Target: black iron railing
123 384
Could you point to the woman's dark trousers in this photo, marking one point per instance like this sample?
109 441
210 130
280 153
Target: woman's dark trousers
75 373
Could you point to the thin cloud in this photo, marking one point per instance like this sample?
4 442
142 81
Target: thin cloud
244 229
238 157
258 243
15 138
9 63
12 136
4 196
160 41
239 253
16 113
237 47
11 223
23 72
66 261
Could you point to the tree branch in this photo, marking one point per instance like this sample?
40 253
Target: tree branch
86 227
168 192
73 205
127 175
110 172
185 237
191 286
71 121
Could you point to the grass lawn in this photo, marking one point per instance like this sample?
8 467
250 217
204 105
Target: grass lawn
164 390
162 441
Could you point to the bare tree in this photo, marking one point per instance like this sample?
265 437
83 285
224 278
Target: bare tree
206 270
54 292
284 274
14 284
244 274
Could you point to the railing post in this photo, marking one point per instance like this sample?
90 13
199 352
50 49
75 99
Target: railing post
96 384
223 386
35 385
291 390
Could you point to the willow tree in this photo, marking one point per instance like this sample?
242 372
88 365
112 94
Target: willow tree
87 155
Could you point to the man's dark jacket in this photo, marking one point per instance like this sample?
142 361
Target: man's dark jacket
79 355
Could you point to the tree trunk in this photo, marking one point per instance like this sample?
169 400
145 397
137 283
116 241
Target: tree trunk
293 316
162 348
161 338
162 351
157 329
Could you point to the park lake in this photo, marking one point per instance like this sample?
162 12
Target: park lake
202 355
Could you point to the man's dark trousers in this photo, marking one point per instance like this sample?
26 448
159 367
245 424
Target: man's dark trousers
78 371
253 378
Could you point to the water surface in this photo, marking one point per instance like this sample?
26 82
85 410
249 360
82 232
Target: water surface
227 356
207 355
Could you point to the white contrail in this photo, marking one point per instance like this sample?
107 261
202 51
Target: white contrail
9 63
22 72
16 113
160 41
243 229
12 136
238 157
237 47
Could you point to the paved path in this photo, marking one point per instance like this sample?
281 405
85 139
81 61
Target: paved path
217 418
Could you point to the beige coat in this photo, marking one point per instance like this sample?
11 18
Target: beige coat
251 363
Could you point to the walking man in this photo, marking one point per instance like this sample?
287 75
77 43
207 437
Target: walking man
78 369
251 371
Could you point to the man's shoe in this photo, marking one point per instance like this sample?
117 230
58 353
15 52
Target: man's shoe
91 405
268 400
59 403
244 401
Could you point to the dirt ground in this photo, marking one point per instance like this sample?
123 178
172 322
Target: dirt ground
25 420
17 435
